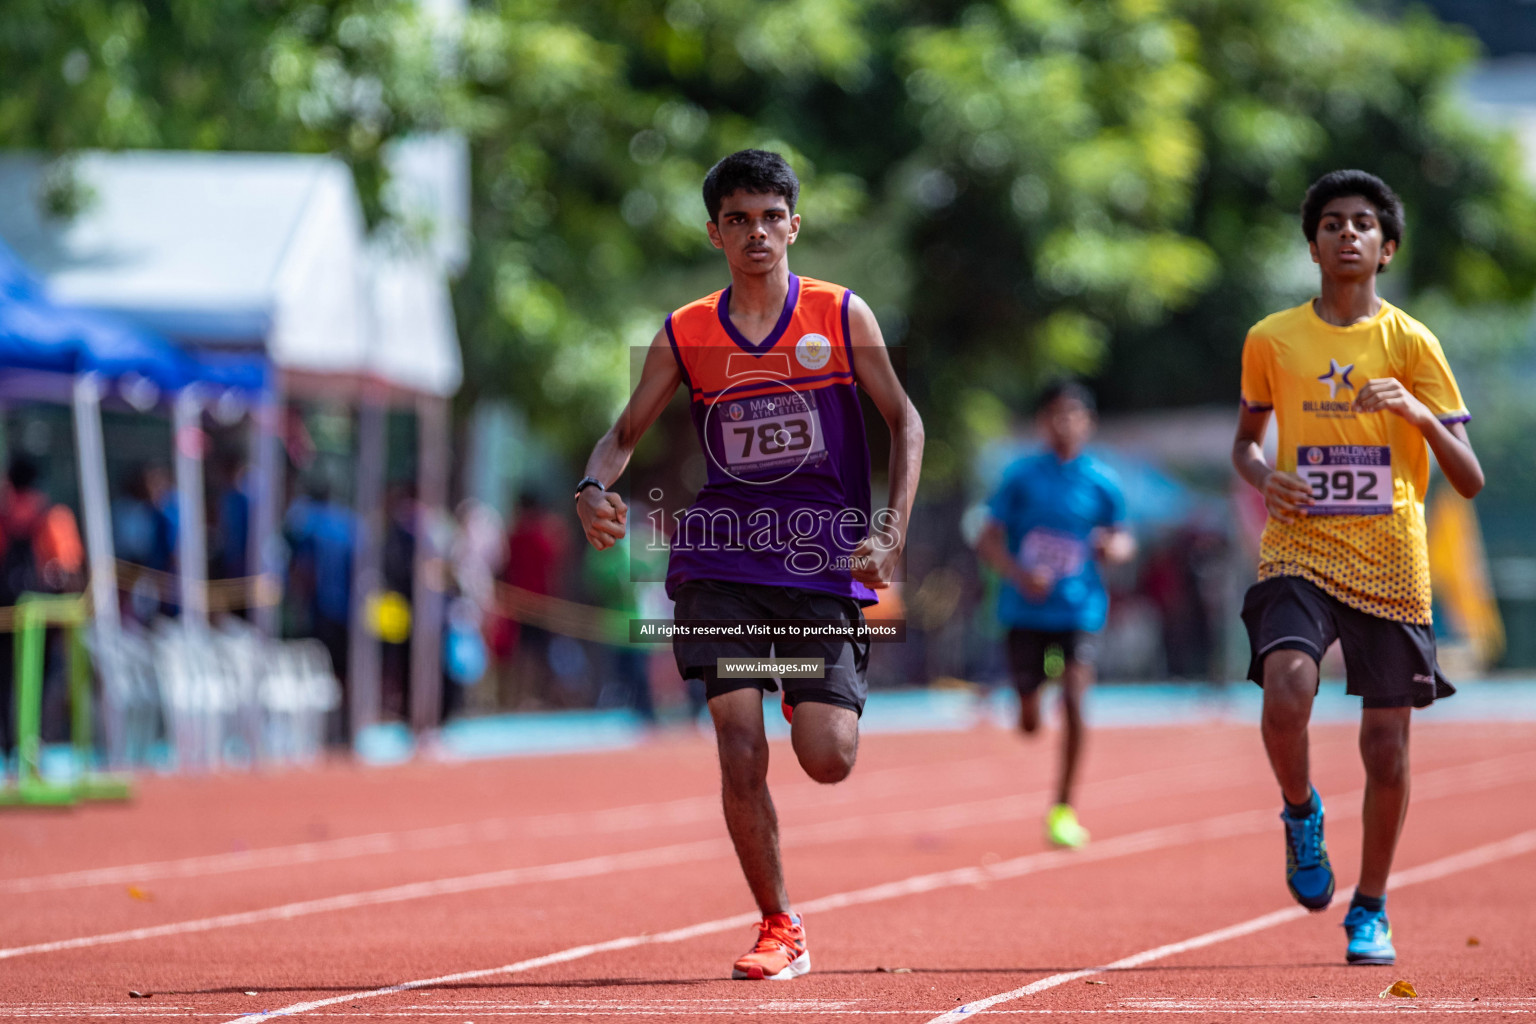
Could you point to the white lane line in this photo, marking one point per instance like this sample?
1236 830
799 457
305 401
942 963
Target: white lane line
586 868
1445 782
1476 857
1436 1008
1206 775
629 818
1228 825
690 810
720 1008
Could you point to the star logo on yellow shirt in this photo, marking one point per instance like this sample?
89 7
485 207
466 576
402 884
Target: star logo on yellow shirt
1337 377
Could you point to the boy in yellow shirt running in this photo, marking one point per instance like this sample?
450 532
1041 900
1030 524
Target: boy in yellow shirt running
1359 389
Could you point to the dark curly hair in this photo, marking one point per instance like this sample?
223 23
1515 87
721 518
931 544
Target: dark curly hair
1334 184
750 170
1065 387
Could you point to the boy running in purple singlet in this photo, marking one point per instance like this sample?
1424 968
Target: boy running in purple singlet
782 529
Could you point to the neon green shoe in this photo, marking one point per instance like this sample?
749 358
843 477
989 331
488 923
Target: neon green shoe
1062 829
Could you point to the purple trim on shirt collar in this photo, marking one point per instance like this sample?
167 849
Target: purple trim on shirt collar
672 339
841 376
723 311
1458 417
1254 406
847 334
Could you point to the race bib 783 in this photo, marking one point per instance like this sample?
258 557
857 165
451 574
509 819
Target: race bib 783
772 432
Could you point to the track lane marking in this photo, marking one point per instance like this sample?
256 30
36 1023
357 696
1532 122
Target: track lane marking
1225 826
1445 782
690 810
630 817
1297 1007
1479 856
894 822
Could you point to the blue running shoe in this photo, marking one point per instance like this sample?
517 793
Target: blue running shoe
1308 874
1370 937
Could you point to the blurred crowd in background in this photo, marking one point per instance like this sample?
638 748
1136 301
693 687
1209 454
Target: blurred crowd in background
446 230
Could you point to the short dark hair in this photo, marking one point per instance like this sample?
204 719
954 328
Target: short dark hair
1334 184
1065 387
23 472
750 170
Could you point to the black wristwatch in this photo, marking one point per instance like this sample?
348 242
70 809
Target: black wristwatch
589 481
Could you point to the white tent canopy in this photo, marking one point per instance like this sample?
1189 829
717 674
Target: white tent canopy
260 250
269 252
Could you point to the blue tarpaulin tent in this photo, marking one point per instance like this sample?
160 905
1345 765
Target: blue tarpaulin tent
269 252
39 335
51 352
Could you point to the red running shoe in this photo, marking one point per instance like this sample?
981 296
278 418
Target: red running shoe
780 953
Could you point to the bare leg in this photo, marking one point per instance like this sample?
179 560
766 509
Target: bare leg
1384 751
1029 712
826 740
1074 685
749 814
1290 684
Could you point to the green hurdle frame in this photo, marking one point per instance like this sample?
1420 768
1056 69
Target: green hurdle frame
33 615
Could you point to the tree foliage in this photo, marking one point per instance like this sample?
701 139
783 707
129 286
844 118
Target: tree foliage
1021 187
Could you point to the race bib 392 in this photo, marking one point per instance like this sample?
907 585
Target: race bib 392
1347 479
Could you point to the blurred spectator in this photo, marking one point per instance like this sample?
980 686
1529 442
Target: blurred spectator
537 550
399 579
40 547
143 536
40 552
477 553
1172 579
464 653
625 681
231 527
321 532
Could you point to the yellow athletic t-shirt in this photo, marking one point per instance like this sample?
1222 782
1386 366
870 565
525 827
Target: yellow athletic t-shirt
1364 540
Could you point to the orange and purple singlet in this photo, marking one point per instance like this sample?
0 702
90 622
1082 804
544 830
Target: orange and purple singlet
787 496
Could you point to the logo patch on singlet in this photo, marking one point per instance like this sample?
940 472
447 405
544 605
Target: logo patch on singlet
813 351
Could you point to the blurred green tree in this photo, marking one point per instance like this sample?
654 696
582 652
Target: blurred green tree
344 77
1113 189
1020 187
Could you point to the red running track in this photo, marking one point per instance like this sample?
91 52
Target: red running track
602 887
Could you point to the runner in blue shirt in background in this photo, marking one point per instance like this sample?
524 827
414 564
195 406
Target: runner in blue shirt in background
1055 515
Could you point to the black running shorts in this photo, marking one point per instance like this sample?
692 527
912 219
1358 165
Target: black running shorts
1389 664
1027 649
847 661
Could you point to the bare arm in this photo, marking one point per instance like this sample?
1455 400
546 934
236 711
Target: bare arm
1114 545
1285 494
1449 442
874 373
992 549
602 512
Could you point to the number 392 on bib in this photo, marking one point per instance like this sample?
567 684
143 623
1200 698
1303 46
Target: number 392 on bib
1347 479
